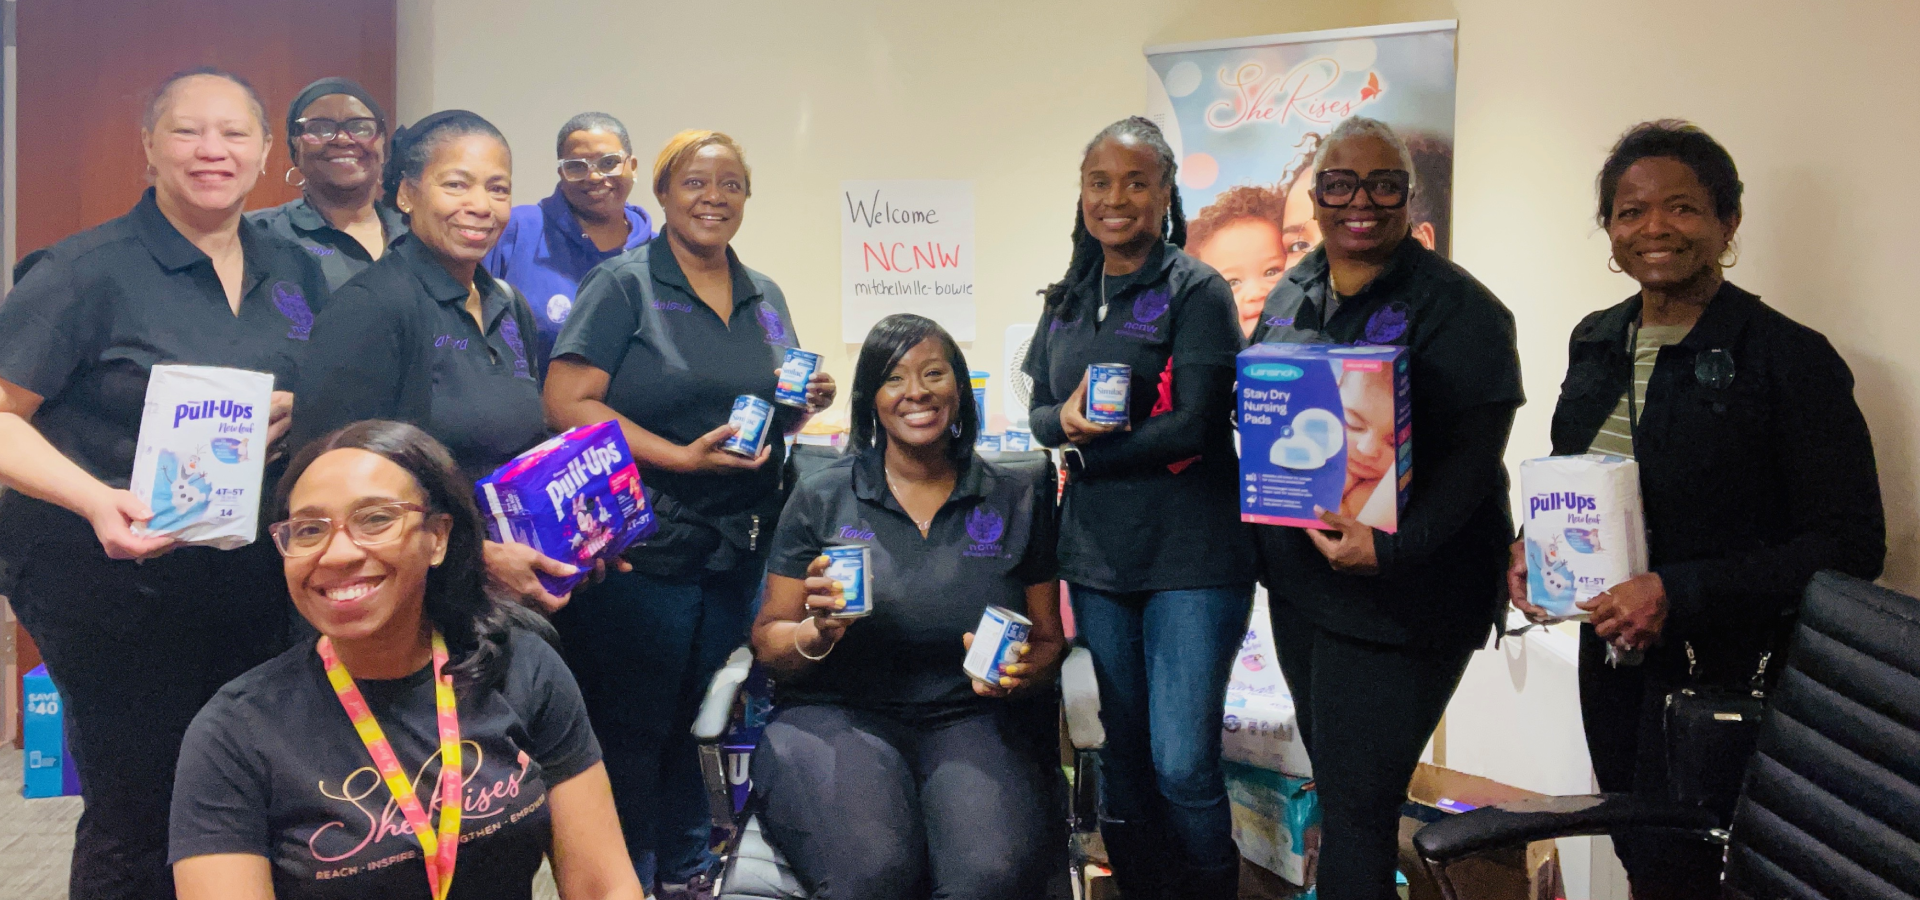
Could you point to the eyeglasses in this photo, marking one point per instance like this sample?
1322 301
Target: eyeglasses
368 526
581 169
1387 188
320 131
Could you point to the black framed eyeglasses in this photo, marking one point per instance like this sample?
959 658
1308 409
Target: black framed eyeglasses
319 131
607 166
368 526
1387 188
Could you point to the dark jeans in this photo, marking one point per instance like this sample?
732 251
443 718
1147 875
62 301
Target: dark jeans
1161 660
135 650
643 649
1365 711
869 807
1622 709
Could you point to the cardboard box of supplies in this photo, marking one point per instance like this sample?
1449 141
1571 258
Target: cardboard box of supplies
1515 873
48 768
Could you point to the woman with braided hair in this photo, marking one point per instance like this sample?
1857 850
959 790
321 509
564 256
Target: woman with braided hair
1160 570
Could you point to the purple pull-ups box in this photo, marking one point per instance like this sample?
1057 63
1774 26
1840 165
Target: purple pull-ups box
576 498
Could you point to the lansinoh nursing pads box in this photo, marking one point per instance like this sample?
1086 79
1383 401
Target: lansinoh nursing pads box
202 454
1327 425
1584 526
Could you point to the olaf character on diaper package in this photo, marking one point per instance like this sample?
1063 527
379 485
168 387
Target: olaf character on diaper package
1326 425
576 498
202 454
1585 528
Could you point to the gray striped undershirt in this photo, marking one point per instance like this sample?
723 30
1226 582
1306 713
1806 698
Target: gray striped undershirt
1616 436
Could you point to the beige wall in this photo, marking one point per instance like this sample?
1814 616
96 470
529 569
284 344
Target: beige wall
1005 93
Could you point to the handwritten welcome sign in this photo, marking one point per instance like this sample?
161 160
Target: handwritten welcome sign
906 246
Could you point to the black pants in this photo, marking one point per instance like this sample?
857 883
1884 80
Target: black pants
1622 710
135 650
1365 711
867 807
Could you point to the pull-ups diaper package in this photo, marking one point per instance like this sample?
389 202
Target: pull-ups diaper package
202 454
1327 425
576 498
1585 528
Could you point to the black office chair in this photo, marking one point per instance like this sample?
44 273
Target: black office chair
1831 803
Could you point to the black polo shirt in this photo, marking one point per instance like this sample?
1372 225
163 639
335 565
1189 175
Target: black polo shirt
397 343
991 540
106 305
1157 507
1441 574
675 367
341 256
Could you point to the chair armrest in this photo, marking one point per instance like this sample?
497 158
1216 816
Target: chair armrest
711 723
1080 698
1524 821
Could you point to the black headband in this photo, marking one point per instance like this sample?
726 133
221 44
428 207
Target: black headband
327 87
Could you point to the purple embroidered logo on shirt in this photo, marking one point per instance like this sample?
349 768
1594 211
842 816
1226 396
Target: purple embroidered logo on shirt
771 323
853 533
293 304
1151 306
510 332
672 306
985 527
1387 324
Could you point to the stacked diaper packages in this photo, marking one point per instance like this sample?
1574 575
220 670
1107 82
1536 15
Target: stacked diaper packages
1585 529
202 454
1259 726
1276 821
1326 425
576 498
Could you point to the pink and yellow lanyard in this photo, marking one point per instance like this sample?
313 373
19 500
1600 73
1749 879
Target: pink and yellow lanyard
438 850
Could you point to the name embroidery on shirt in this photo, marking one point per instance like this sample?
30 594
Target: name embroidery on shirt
1150 308
1280 322
447 340
510 332
321 251
672 306
855 533
985 527
293 304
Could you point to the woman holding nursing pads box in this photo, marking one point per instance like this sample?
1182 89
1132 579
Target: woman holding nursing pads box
1756 470
1374 629
663 339
136 648
1151 547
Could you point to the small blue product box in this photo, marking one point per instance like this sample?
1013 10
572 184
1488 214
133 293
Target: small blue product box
576 498
1327 425
48 767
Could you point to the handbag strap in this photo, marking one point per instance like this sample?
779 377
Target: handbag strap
1757 684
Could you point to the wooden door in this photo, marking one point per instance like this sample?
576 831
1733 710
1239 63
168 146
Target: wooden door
86 68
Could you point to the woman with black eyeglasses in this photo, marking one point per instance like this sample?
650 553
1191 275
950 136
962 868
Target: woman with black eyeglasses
550 246
1374 629
1756 469
337 139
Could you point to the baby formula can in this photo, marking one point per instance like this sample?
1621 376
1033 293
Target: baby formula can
996 644
1107 386
852 567
752 418
795 371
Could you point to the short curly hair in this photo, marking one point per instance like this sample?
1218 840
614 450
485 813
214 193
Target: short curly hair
1238 203
1676 139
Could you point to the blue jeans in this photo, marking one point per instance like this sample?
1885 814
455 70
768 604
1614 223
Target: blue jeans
1162 660
643 649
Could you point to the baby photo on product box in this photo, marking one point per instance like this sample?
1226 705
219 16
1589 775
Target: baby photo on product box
202 454
576 498
1327 425
1584 527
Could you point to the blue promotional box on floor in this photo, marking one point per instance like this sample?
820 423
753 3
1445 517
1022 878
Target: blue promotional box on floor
1326 425
48 767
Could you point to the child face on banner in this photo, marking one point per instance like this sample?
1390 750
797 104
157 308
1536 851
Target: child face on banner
1249 254
1298 230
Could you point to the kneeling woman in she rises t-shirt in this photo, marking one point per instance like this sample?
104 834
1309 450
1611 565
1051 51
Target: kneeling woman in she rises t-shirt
425 734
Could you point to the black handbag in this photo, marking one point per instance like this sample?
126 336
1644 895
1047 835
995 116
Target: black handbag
1711 731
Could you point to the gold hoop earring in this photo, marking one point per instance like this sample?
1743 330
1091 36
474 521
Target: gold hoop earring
1736 257
1613 266
288 178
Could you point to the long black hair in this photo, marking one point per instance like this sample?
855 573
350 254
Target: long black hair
410 149
1087 251
885 346
476 623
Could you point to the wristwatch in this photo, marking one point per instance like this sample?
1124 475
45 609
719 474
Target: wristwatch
1072 461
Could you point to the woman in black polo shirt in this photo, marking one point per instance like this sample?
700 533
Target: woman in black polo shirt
885 767
337 139
426 336
1374 629
137 648
662 339
1756 469
1160 570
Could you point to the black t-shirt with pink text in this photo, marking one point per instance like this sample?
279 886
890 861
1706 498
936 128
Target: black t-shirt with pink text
273 767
